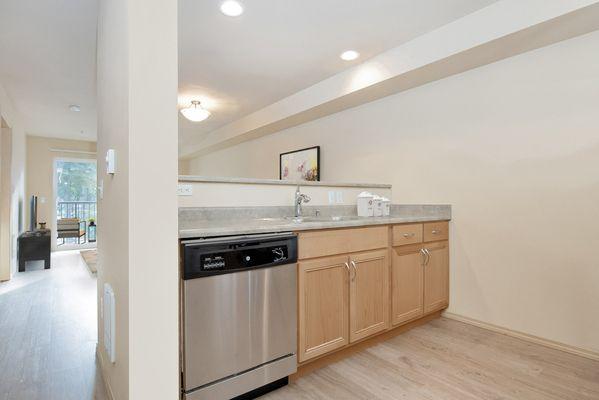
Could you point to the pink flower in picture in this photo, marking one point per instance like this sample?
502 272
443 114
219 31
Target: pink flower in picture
301 165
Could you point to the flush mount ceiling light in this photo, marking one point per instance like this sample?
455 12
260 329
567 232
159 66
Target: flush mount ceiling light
349 55
231 8
74 108
195 112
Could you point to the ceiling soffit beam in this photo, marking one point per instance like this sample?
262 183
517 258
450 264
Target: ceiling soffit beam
502 30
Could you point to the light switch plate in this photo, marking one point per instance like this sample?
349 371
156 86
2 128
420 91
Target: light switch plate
184 190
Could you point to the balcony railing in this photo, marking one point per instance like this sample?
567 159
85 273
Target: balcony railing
84 210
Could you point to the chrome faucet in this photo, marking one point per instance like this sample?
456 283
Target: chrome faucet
299 199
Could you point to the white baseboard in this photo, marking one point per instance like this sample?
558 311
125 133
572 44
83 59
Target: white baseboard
593 355
106 384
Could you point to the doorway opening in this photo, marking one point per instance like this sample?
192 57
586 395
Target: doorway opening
75 203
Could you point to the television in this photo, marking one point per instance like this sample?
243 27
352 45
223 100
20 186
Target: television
33 214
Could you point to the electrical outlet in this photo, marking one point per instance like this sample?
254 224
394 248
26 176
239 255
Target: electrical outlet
331 197
339 197
184 190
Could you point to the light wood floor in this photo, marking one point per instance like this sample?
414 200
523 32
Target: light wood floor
445 359
47 351
48 333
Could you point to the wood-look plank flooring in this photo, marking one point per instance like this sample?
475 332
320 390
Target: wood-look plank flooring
48 333
448 360
47 351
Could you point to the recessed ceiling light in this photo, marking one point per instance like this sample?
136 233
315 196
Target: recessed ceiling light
349 55
231 8
74 108
195 112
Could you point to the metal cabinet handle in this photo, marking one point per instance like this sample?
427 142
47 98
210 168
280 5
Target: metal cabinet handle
353 263
423 254
407 235
428 256
435 232
347 266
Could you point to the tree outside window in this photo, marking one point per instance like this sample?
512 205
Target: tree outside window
76 189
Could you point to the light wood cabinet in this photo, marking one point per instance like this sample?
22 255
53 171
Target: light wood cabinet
323 306
358 282
436 277
407 234
434 231
407 283
329 242
368 294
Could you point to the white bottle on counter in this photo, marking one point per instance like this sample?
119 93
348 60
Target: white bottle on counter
386 207
378 206
365 204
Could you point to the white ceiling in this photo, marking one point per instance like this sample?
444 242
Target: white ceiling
278 47
235 65
48 61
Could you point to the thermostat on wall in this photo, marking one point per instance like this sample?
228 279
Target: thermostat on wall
110 162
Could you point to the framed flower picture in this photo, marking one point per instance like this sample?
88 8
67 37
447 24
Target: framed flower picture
300 165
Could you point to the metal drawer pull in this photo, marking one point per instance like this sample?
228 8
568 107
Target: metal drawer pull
435 232
423 253
428 256
347 266
408 235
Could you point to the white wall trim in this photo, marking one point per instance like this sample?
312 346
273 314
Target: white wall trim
91 153
107 387
593 355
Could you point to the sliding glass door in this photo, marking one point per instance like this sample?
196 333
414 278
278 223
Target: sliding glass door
76 210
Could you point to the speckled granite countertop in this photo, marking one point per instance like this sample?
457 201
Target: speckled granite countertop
222 221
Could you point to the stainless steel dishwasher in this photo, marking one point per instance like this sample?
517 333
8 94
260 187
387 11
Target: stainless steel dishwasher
238 315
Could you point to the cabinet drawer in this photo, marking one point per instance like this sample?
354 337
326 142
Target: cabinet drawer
339 241
434 231
407 234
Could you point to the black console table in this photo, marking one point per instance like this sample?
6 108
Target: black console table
34 245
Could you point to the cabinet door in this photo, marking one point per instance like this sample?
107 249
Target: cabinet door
436 277
368 294
323 306
407 283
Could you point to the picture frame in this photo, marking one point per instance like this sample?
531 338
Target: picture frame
300 165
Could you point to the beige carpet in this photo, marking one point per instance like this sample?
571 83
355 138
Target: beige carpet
91 259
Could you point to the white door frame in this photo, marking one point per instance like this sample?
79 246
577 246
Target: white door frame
55 247
6 228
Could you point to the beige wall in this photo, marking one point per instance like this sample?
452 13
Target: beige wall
40 172
154 252
183 167
137 239
216 194
513 146
12 125
113 206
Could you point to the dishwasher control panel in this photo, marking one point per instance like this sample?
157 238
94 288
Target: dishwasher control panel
220 256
